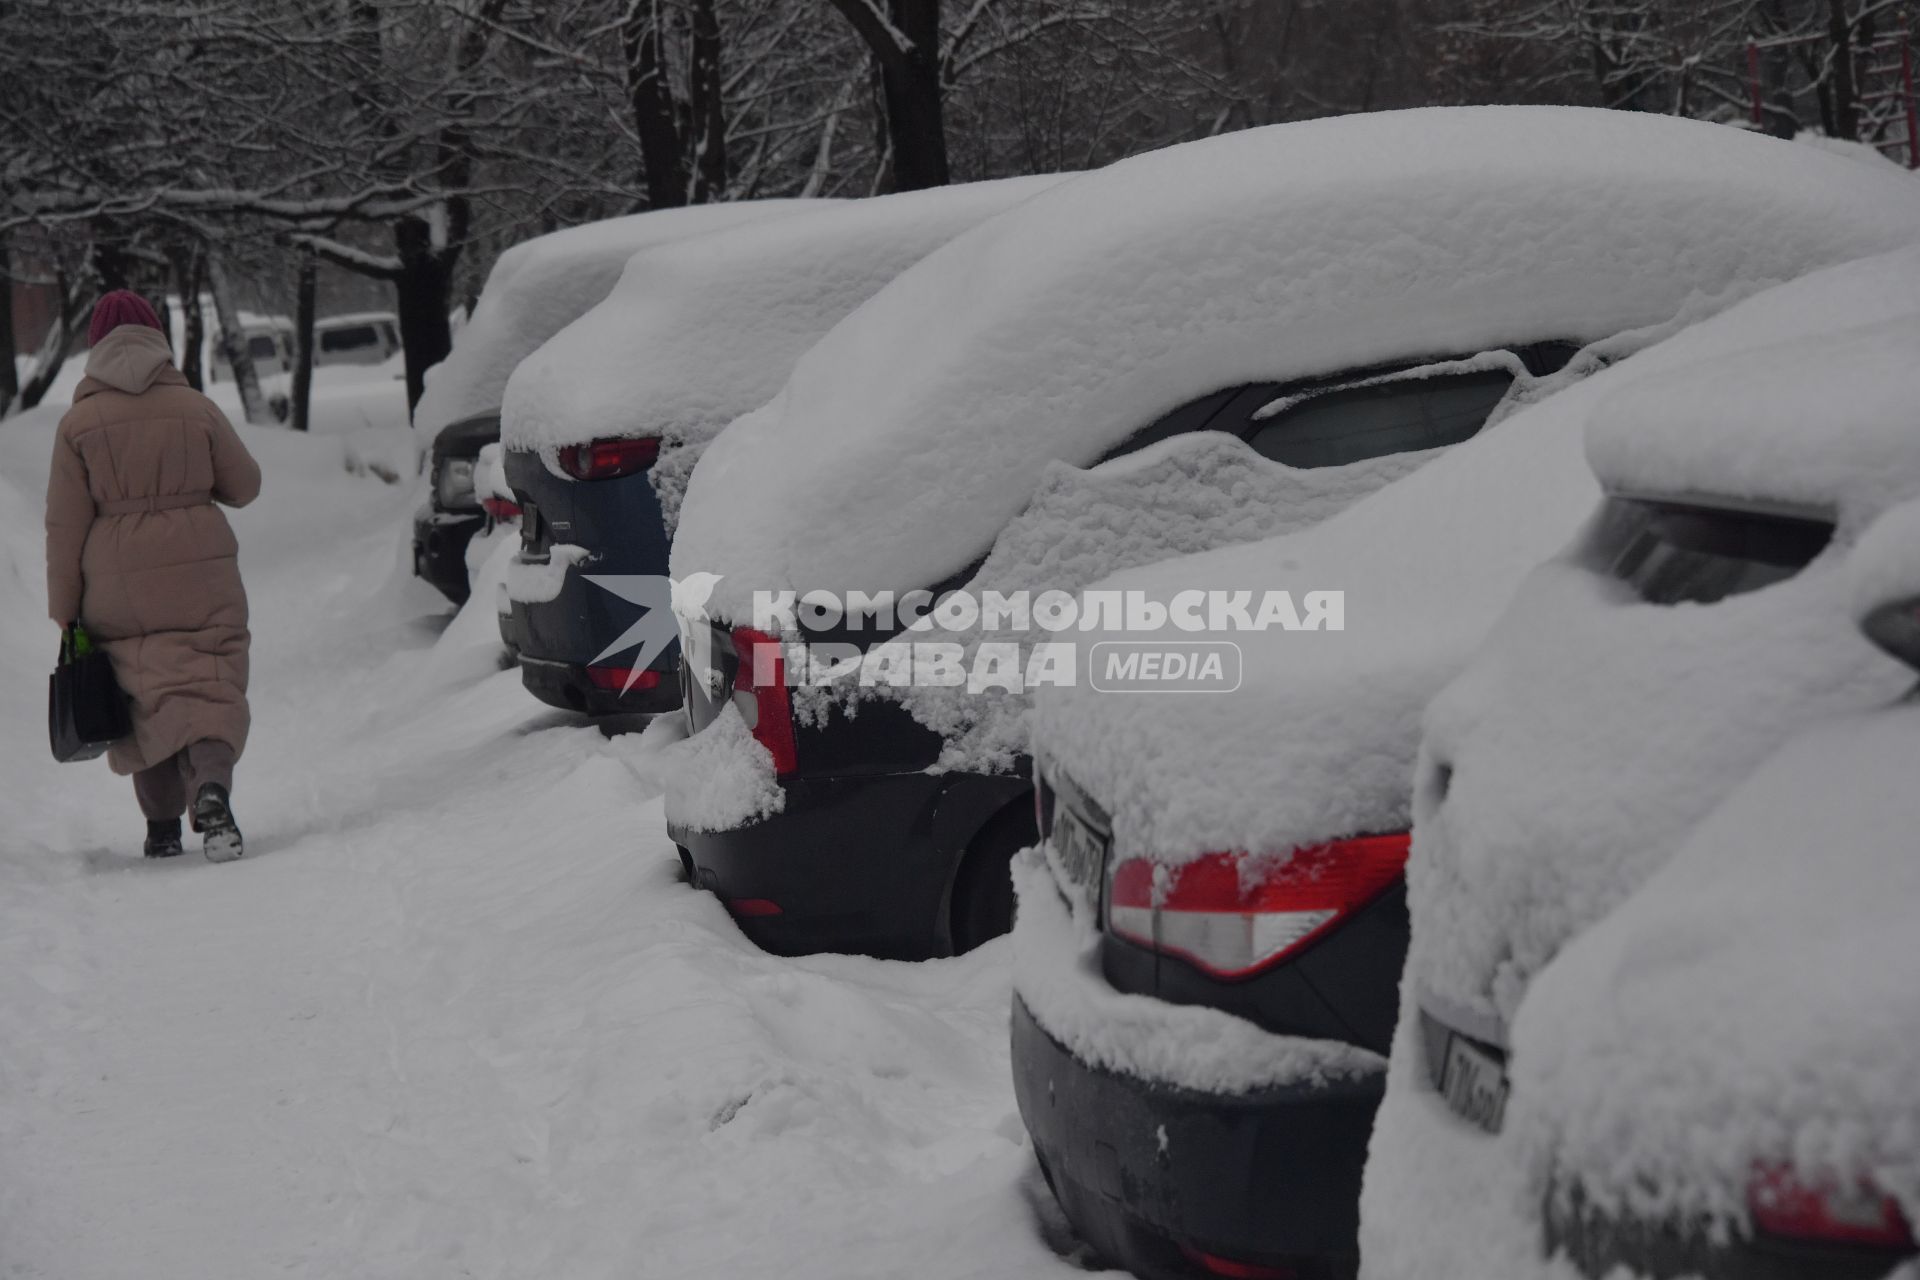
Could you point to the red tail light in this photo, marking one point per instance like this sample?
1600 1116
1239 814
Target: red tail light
1824 1212
500 508
760 691
1232 917
1215 1265
606 459
621 679
758 907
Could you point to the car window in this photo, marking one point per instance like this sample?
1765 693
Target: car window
1445 409
263 348
356 337
1334 428
1675 552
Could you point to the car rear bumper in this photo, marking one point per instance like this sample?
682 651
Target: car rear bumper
1147 1170
440 541
853 863
568 686
1599 1245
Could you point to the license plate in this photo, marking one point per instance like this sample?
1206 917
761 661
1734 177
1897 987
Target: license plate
1080 847
1475 1085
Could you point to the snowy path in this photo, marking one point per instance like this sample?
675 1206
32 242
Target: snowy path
453 1015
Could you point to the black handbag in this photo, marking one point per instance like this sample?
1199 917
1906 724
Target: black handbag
86 710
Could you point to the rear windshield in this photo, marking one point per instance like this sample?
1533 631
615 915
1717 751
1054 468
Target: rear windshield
357 338
1341 427
262 348
1675 552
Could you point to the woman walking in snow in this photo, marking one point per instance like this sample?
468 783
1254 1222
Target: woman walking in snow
139 555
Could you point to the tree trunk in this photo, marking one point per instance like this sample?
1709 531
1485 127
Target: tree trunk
189 270
916 122
303 342
651 98
1846 106
75 301
1776 70
423 291
110 264
9 371
709 111
233 343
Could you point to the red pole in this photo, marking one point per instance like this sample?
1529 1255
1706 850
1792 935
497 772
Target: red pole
1753 76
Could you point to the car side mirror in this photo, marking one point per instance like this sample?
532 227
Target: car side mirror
1895 627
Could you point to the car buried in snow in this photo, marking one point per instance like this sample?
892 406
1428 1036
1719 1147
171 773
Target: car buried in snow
360 337
1207 345
535 289
1739 1106
1699 620
604 423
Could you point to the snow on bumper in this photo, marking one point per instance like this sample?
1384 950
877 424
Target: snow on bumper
1181 1046
537 582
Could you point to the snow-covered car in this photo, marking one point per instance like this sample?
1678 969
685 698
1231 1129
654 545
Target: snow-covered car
269 339
359 337
604 423
1699 619
1210 344
1718 1078
534 290
1226 868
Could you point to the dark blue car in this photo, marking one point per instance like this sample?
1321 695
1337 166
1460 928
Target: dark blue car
590 516
604 424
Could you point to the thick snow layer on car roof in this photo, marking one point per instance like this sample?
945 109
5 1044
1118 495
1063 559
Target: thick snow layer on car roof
1425 566
1752 1002
1831 430
540 285
703 330
918 427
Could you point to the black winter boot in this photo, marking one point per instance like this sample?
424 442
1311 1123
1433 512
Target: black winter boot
213 819
163 839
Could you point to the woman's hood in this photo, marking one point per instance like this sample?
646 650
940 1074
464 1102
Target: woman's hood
131 359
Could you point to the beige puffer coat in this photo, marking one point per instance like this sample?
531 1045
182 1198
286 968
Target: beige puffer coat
138 553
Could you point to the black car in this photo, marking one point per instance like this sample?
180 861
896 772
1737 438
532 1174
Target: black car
1176 1181
1260 272
453 514
874 850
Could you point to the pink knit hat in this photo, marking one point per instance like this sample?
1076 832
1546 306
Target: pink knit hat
122 306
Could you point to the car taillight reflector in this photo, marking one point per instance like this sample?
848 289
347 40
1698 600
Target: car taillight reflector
1233 916
1214 1264
606 459
621 679
500 508
1825 1212
754 907
763 674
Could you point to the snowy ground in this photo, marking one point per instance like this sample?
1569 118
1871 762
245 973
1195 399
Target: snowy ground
454 1015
